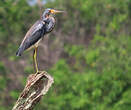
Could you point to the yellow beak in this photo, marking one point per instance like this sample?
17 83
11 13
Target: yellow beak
56 11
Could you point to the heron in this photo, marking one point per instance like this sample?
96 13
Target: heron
37 32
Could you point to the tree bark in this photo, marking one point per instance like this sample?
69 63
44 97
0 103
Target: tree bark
37 85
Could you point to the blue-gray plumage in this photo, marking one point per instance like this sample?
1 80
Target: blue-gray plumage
37 32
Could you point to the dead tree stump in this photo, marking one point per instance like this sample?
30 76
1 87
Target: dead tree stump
37 85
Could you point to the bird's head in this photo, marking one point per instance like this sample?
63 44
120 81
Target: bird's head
49 12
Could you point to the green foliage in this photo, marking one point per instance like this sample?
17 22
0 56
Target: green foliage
2 68
14 94
93 76
103 83
28 70
3 83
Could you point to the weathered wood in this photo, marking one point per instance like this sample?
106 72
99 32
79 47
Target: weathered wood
37 85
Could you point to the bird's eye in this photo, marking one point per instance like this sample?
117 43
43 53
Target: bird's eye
52 11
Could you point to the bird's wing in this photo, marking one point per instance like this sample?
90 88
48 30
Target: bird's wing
31 37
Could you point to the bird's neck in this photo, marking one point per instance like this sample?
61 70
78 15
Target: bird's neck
45 17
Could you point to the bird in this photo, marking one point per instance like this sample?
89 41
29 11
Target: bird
37 32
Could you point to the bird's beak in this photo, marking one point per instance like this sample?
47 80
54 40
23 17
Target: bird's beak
56 11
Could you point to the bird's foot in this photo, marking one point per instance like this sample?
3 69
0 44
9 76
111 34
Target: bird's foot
37 72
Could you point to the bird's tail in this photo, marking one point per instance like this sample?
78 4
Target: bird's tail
19 52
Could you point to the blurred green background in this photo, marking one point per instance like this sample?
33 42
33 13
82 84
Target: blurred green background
88 54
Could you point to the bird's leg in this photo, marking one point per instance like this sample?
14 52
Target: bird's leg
35 59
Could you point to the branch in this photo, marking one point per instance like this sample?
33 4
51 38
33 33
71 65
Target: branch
37 85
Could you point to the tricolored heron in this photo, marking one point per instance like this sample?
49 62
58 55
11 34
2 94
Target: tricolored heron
36 32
